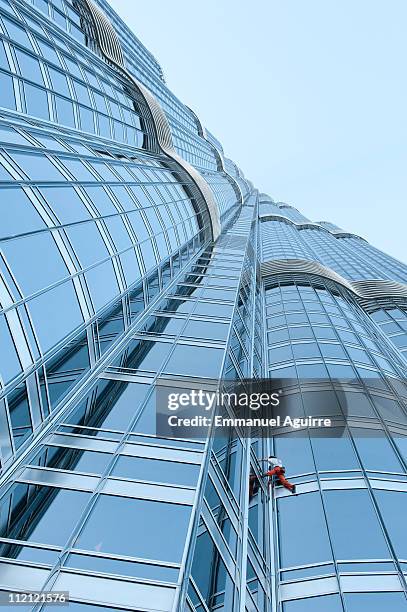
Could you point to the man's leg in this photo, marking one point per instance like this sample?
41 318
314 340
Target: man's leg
283 481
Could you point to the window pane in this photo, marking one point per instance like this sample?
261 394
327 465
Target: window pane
7 91
102 284
327 603
296 450
393 506
9 363
37 167
64 111
21 215
66 204
88 243
29 67
48 518
375 450
375 602
137 528
302 530
35 261
55 313
154 470
211 577
334 453
36 101
77 460
353 525
195 361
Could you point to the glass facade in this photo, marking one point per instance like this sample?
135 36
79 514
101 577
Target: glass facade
113 277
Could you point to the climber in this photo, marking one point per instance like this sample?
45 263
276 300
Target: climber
276 469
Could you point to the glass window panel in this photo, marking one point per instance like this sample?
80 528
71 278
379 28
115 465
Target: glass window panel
213 310
82 93
279 335
59 82
49 516
355 534
35 261
339 370
326 603
334 452
101 200
8 134
401 443
154 470
318 403
375 450
73 459
136 528
302 530
19 415
206 330
212 578
123 197
9 362
104 171
375 602
117 408
29 67
147 355
300 332
389 409
393 508
3 57
311 370
118 233
195 361
88 243
55 313
7 91
121 568
295 451
50 143
36 101
104 126
356 404
130 267
78 169
48 51
17 33
21 214
280 354
333 351
147 420
87 119
100 103
102 283
66 203
64 111
30 554
306 350
37 167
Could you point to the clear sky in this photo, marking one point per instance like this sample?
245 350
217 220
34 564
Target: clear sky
307 96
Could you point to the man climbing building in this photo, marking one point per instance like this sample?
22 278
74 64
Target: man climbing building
277 470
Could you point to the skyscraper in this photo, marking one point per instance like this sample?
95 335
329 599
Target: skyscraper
133 250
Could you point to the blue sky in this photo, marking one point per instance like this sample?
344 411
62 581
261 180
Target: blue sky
308 97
